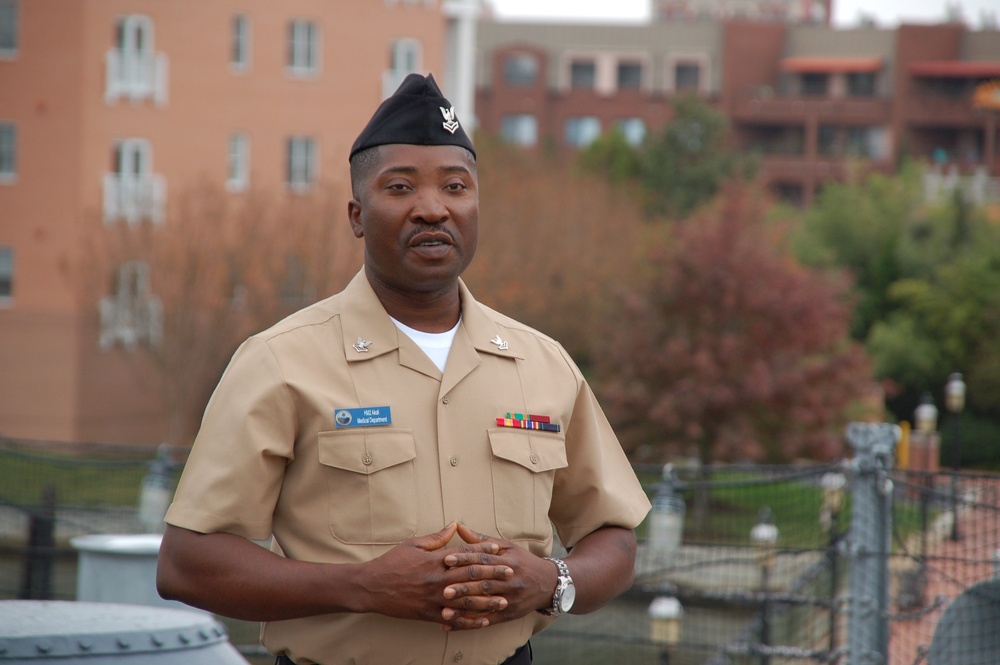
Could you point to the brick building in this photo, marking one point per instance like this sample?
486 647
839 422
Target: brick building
811 99
109 108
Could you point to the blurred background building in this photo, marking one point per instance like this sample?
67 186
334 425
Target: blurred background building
110 108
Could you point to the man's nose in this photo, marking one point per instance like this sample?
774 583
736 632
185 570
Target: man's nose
429 208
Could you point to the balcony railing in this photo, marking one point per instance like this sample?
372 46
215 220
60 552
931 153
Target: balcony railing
135 77
765 104
129 320
134 198
977 187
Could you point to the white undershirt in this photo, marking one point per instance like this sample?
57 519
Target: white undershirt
435 345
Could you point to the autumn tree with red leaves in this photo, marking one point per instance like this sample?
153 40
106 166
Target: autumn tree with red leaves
732 348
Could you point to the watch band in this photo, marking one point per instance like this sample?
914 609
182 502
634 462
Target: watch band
560 564
563 580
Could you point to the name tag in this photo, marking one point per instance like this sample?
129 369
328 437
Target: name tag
365 416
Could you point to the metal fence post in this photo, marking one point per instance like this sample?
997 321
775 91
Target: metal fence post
870 538
39 554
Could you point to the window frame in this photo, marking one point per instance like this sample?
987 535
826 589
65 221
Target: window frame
582 125
240 43
303 58
628 64
7 268
520 129
10 50
8 152
301 162
514 71
580 62
238 162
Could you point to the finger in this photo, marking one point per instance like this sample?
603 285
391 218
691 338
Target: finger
472 606
482 596
470 536
436 541
469 555
466 623
478 572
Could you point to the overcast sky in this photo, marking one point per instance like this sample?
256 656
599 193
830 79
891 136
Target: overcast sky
887 13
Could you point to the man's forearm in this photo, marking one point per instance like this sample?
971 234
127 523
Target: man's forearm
234 577
603 567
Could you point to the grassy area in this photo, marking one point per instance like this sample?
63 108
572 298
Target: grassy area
76 480
733 504
737 497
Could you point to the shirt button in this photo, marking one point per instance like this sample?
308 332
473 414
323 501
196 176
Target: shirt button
446 399
454 461
459 656
534 458
367 460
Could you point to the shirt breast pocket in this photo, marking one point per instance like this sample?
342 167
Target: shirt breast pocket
371 482
524 468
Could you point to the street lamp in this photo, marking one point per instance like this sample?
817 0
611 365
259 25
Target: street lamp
764 535
666 519
954 400
925 417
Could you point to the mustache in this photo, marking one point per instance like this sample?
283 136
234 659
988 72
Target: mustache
428 228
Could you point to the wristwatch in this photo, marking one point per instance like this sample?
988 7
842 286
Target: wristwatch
565 594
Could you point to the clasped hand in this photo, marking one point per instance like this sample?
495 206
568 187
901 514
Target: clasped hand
483 582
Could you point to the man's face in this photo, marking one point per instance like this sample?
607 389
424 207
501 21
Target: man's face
418 212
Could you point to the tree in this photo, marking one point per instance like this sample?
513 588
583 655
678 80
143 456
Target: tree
732 347
221 268
925 276
677 168
554 244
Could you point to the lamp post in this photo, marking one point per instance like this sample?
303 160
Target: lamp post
925 417
954 400
666 519
764 535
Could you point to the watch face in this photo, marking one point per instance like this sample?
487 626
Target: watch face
568 596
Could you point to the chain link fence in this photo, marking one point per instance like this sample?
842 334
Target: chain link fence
851 562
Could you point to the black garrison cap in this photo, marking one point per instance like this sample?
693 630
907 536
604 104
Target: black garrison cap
417 114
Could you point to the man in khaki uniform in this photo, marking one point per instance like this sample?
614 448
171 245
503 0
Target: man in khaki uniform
408 448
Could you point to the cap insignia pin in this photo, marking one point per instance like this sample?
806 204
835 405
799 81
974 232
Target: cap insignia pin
450 122
501 344
361 346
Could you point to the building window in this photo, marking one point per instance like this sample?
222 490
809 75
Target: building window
814 84
633 129
629 75
303 47
582 74
687 77
134 70
405 58
238 176
132 314
519 129
6 273
239 57
861 84
9 28
8 151
520 69
300 168
131 191
581 131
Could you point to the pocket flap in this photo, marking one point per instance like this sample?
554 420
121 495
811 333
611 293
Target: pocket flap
532 450
366 451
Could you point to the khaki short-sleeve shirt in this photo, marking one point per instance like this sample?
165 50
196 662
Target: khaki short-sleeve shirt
270 459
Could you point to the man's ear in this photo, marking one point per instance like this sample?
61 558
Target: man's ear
354 217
